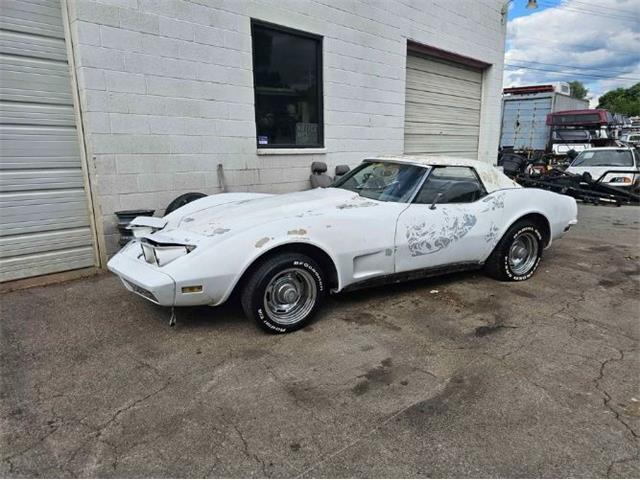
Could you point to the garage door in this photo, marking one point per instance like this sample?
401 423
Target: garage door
442 109
44 219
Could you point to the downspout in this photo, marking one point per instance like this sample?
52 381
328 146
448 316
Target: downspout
97 229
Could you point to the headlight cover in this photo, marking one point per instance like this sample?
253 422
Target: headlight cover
141 226
161 255
141 231
166 255
149 254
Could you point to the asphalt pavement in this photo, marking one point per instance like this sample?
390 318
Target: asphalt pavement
458 376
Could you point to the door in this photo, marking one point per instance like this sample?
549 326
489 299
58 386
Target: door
364 226
442 107
44 219
450 221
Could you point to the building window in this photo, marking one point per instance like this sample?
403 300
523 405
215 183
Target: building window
287 77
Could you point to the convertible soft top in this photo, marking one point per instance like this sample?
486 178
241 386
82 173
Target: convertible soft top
492 178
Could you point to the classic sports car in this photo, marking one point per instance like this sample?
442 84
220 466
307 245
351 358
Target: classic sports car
389 219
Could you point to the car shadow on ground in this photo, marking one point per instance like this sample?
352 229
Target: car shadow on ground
230 314
417 286
201 317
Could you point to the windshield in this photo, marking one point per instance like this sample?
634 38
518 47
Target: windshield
384 181
571 135
604 158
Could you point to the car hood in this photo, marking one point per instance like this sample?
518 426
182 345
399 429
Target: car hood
240 213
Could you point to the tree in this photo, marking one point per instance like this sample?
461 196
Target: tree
578 90
625 101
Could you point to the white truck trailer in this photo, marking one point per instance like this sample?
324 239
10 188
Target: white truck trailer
524 115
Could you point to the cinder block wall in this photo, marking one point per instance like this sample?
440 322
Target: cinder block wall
166 89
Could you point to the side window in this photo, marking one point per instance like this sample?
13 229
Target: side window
456 184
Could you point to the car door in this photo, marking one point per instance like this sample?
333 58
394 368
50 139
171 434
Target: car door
363 225
451 220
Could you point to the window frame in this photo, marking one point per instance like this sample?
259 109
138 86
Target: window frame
319 80
432 168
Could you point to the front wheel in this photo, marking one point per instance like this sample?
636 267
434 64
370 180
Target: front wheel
518 254
284 292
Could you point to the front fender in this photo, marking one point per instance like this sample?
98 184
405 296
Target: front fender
218 266
276 244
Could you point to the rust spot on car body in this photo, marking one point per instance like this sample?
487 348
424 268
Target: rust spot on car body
299 231
219 231
263 241
346 206
308 213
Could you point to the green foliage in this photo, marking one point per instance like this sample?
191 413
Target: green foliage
578 90
625 101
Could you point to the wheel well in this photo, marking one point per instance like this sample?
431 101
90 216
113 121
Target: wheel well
319 255
542 222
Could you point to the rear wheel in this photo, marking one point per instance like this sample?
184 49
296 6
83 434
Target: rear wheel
518 254
284 292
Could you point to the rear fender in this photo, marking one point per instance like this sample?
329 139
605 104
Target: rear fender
559 211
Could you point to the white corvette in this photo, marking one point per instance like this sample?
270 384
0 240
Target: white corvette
389 219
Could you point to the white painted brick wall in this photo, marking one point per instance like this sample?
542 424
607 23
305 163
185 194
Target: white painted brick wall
166 88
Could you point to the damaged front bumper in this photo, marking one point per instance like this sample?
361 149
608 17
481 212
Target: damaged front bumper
142 278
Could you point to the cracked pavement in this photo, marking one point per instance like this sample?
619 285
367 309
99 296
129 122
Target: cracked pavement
481 379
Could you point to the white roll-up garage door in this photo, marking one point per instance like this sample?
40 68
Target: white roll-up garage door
442 109
44 219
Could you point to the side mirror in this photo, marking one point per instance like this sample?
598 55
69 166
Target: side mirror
435 200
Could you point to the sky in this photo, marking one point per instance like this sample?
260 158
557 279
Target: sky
594 41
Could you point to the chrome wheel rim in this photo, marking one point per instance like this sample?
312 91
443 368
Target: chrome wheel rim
290 296
523 253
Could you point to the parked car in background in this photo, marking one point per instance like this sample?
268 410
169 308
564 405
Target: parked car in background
389 219
632 139
614 166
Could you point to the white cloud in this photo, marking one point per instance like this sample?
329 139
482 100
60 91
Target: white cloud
572 34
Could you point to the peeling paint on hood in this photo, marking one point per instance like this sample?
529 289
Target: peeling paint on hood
223 218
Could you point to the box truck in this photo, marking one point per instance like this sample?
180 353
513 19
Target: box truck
524 116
